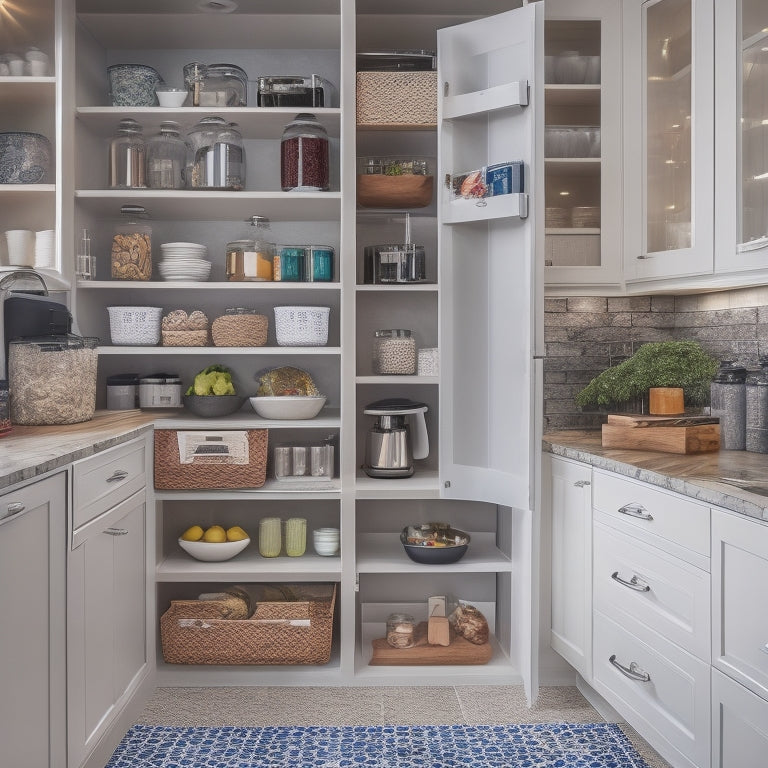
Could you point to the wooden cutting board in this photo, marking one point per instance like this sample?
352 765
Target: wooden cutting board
701 438
460 651
645 420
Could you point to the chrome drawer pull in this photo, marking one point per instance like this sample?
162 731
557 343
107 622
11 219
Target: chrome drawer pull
14 508
116 531
582 483
634 671
118 474
635 582
636 510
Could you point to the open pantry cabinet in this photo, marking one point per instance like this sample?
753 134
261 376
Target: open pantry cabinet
481 302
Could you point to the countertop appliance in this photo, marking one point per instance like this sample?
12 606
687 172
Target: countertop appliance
391 446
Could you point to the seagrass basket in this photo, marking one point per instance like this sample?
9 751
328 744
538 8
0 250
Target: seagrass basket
397 98
185 338
240 330
298 630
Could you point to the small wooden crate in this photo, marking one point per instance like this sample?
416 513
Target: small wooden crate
397 98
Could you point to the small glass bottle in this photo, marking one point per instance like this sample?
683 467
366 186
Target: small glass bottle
757 409
400 630
304 155
252 258
270 537
394 352
85 267
166 157
127 157
728 402
295 536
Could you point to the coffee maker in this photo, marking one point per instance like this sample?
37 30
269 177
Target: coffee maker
393 443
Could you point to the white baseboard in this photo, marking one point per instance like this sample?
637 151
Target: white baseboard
606 711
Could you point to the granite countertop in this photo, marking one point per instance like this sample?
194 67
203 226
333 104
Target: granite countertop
28 452
699 476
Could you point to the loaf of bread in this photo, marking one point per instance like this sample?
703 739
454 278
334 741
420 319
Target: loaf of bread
470 623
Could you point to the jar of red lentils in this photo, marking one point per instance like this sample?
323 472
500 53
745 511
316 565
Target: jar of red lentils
304 155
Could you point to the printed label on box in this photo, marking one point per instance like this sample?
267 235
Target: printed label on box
230 447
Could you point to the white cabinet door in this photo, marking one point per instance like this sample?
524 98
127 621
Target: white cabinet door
668 138
571 508
490 103
107 629
32 625
739 725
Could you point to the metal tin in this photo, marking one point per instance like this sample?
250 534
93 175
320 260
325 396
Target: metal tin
293 91
160 390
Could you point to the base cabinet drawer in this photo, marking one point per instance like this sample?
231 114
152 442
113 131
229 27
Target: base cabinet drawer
661 690
739 725
657 589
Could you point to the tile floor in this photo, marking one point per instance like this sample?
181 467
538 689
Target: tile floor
474 705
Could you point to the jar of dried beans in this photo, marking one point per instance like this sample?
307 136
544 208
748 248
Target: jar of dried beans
131 256
394 352
304 155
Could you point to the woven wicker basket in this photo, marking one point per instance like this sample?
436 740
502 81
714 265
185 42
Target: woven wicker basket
211 471
397 98
185 338
192 632
240 330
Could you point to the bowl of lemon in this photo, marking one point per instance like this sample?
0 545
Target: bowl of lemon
214 544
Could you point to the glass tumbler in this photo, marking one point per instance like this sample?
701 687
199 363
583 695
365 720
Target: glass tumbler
295 536
270 537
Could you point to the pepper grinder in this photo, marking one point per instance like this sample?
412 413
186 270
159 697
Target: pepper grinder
728 402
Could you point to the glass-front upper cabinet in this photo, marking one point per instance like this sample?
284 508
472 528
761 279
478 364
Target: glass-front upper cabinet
668 138
582 145
742 120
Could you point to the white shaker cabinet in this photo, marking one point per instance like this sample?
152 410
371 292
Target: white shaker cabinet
32 628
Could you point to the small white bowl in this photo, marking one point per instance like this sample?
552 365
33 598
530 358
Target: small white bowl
213 552
171 97
288 406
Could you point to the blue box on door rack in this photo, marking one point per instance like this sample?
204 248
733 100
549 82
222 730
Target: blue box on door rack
491 180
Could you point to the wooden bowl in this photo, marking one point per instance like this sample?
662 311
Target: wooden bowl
406 191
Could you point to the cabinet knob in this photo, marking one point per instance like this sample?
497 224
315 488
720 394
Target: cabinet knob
116 531
636 510
118 474
634 671
14 508
635 582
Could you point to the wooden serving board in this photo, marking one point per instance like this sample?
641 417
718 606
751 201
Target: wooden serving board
645 420
460 651
701 438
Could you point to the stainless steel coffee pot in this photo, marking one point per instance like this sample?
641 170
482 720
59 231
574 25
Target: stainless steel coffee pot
393 443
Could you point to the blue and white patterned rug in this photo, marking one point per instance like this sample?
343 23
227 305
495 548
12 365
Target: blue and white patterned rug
560 745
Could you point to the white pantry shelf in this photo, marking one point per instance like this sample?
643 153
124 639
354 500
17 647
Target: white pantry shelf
186 285
208 351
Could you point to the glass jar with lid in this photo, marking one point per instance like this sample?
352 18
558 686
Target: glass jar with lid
127 157
304 155
400 630
131 255
216 157
216 85
166 157
394 352
251 258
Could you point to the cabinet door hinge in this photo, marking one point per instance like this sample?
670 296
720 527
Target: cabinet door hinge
357 582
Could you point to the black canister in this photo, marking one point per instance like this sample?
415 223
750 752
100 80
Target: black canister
757 409
728 402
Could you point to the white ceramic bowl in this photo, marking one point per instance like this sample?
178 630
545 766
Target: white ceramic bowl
213 552
288 406
171 97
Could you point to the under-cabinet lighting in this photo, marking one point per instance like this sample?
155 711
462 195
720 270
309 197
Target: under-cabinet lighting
665 48
760 176
669 162
676 125
564 194
671 208
764 122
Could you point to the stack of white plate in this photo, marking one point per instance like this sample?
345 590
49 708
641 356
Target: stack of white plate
184 261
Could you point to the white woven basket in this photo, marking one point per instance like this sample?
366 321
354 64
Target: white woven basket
135 326
302 326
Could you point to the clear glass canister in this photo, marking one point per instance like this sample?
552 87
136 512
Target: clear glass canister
131 256
295 536
127 157
290 263
400 630
394 352
320 266
251 258
166 157
757 409
215 85
304 155
728 400
216 158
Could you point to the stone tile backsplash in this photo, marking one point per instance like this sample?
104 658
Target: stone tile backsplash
586 335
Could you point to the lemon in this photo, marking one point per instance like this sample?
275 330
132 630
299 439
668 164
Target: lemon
215 534
236 533
195 533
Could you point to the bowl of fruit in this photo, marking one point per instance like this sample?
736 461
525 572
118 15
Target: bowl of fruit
434 543
214 544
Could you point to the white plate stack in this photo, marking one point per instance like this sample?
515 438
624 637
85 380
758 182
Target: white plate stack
184 261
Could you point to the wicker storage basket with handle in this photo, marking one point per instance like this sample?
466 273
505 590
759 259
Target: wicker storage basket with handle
295 631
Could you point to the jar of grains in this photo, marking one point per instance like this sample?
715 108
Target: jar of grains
304 155
131 256
394 352
400 630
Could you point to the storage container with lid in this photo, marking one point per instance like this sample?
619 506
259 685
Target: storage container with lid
401 630
304 155
251 258
756 438
131 256
122 391
216 158
728 403
290 263
294 91
127 157
216 85
319 267
52 379
166 157
394 352
160 390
